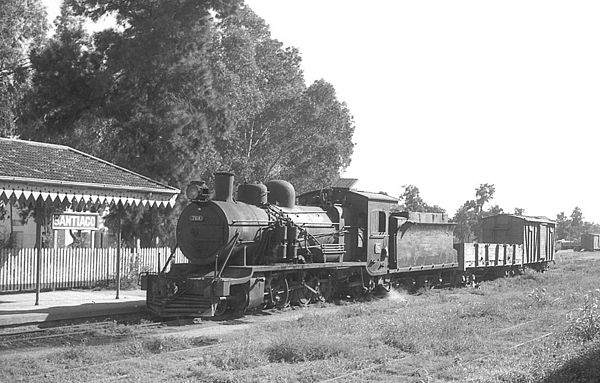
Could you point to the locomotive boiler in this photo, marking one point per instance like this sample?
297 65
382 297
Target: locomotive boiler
262 225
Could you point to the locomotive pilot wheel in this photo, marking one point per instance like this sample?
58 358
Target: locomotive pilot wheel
238 301
219 308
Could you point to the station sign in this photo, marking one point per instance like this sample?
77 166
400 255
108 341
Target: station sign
75 221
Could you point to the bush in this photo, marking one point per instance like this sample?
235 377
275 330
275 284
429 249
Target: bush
584 325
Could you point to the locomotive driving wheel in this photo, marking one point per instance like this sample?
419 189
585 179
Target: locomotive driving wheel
279 291
307 293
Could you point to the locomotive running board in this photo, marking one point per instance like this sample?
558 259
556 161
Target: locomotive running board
302 266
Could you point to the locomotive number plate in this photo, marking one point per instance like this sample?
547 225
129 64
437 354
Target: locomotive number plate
196 218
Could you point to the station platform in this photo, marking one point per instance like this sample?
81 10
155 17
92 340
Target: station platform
19 309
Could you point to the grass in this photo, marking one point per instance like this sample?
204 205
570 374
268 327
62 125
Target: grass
537 327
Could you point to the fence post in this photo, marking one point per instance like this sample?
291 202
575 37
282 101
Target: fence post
119 259
38 247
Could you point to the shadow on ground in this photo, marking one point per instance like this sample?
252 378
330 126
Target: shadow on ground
585 368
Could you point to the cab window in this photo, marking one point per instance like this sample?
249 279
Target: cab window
378 222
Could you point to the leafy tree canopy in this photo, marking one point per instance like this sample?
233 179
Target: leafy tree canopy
519 211
280 128
571 228
411 200
179 89
139 95
468 216
22 27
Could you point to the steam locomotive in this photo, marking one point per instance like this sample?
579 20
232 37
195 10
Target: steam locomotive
262 249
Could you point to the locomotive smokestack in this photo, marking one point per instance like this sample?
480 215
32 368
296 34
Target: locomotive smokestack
223 186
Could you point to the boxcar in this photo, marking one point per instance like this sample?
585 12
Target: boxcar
590 242
536 234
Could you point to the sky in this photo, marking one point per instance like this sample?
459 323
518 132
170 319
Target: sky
447 95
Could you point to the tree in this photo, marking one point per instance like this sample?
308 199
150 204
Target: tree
483 194
411 200
257 78
141 92
571 228
468 216
22 27
576 224
179 89
562 226
519 211
68 86
466 220
280 128
312 152
493 210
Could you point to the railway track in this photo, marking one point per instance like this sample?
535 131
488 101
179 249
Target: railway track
17 337
64 373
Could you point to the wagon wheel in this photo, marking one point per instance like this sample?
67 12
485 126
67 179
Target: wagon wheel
279 292
385 285
326 288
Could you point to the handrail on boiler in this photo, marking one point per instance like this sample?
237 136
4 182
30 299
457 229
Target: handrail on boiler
232 243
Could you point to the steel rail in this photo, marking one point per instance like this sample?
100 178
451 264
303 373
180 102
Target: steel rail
109 363
9 337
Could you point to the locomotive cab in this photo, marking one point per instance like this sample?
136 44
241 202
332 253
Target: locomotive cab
366 222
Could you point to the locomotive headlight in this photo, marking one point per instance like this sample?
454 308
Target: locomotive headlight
197 191
192 192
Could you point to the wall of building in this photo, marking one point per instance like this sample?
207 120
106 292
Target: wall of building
19 233
15 230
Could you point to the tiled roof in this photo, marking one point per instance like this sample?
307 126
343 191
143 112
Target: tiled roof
63 165
63 176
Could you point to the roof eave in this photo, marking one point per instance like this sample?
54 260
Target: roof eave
33 181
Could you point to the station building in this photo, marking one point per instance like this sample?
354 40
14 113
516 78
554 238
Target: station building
79 187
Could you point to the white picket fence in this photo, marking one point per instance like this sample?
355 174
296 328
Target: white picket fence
76 268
